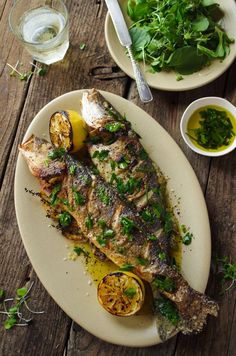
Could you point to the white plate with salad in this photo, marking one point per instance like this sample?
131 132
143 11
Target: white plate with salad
179 45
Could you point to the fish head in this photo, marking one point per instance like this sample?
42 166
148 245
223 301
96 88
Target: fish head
93 108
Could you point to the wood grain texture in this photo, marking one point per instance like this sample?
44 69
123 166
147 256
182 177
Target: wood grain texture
13 91
82 343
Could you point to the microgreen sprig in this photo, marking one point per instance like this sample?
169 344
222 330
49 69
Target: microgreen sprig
227 271
14 313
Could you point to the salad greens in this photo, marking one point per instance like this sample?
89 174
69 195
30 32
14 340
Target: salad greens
184 35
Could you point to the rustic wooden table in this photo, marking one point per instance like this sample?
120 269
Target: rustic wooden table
53 333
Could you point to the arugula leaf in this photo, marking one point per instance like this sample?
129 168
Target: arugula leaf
201 24
140 38
186 60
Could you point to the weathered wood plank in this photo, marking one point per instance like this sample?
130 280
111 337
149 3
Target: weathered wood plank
82 343
13 91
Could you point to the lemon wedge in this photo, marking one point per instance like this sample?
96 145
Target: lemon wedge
67 130
121 293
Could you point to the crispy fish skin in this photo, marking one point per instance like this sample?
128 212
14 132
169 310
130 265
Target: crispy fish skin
89 195
125 164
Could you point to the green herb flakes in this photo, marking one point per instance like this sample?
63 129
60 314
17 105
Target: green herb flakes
130 292
78 197
101 155
164 284
89 222
72 169
57 153
65 219
126 267
103 196
114 126
128 225
168 309
187 238
142 261
54 193
79 250
215 131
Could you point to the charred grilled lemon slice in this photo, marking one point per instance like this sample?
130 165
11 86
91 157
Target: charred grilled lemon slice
121 293
67 129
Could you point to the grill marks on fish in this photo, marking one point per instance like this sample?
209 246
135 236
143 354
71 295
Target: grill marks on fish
120 234
126 165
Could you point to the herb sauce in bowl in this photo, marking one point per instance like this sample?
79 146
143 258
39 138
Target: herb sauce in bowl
212 128
208 126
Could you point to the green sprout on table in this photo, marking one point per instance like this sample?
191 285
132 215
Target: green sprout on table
25 76
226 270
14 312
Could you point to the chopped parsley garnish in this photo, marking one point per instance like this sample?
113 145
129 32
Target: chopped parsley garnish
168 226
102 240
215 129
89 222
123 162
79 250
111 112
148 215
102 223
120 249
161 255
128 225
79 198
128 187
142 261
106 234
187 238
54 193
158 210
56 153
46 163
152 237
103 196
130 292
113 165
143 154
65 219
72 169
101 155
164 284
109 233
114 126
168 309
126 267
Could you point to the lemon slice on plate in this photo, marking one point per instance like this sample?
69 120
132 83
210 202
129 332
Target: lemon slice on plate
121 293
67 130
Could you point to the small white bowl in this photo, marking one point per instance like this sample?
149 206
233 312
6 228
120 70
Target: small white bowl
197 104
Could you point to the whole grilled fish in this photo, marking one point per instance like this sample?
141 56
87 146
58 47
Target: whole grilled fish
121 160
116 229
